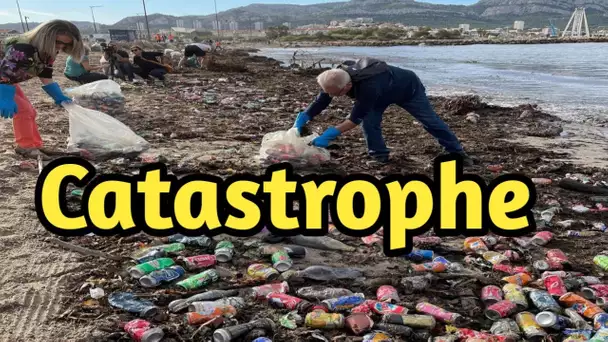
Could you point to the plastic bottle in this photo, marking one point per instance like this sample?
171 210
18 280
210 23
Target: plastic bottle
293 251
324 273
232 333
181 304
322 293
128 302
321 242
200 241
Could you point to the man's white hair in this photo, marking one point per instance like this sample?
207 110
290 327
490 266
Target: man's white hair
334 78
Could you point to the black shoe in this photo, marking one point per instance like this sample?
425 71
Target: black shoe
467 161
378 161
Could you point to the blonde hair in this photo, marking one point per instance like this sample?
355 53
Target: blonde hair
337 78
44 36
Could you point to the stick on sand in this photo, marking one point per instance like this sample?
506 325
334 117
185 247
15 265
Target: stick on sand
85 251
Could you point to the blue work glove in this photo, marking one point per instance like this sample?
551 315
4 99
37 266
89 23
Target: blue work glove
55 92
8 106
327 136
301 121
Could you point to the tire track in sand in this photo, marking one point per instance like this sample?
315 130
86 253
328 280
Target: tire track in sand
40 299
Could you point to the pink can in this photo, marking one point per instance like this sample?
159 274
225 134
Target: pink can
556 255
440 314
283 301
262 292
364 308
554 265
491 295
555 286
387 293
142 331
199 261
542 238
502 309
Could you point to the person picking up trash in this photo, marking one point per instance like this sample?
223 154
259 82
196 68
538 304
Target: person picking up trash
375 85
195 49
30 55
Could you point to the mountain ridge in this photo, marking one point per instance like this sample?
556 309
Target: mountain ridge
484 13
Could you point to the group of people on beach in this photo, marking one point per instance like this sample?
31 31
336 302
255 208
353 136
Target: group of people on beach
372 84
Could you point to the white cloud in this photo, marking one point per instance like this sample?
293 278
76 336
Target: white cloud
4 13
39 13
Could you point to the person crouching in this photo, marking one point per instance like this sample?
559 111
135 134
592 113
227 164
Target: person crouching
196 49
148 66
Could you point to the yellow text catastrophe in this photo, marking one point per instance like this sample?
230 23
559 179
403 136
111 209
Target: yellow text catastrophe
405 205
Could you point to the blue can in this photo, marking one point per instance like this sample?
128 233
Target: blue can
262 339
165 275
442 260
544 301
582 334
420 255
600 321
344 303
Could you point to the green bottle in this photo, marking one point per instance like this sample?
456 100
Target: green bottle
601 261
200 280
141 270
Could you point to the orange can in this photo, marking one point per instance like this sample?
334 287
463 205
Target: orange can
196 318
475 245
435 267
521 279
581 305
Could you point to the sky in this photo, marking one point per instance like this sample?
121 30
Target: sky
114 10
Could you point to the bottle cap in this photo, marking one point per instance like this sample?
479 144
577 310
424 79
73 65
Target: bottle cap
221 335
546 319
153 335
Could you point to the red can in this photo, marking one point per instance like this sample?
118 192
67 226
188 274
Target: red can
557 255
491 295
555 286
382 308
500 310
262 292
521 269
283 301
387 293
199 261
141 330
600 289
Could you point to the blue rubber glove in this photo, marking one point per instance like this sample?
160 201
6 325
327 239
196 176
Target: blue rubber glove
327 136
8 106
301 121
55 92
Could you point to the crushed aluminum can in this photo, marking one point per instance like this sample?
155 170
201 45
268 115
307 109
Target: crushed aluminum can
491 295
515 293
359 323
413 321
557 256
378 336
555 286
542 238
549 320
383 308
475 245
527 324
344 303
502 309
387 293
441 314
543 301
600 321
506 327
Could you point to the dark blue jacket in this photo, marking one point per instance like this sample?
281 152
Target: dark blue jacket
376 85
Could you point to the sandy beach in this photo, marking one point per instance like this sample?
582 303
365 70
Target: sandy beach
45 289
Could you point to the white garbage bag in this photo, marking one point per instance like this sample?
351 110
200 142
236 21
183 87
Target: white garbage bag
287 146
104 95
99 134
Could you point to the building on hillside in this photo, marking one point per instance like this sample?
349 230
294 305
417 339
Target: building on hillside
217 25
123 35
5 33
233 26
197 24
179 23
464 27
259 26
518 25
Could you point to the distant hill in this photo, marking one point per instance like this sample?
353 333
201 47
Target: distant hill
485 13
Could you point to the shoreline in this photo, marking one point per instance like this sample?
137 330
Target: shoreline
424 42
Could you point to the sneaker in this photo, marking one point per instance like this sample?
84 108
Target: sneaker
467 161
378 161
